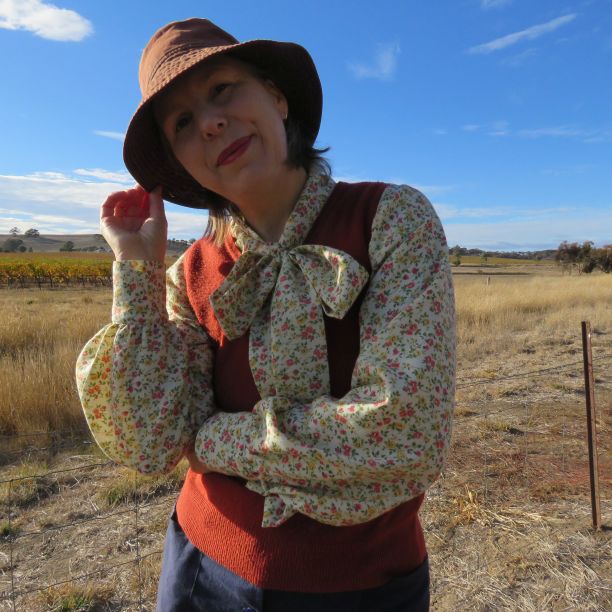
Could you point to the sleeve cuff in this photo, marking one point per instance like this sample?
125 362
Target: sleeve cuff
139 291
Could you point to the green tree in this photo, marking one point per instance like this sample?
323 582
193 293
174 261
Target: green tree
67 246
12 245
14 231
456 252
32 233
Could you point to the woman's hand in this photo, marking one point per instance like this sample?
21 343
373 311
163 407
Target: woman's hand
134 224
195 464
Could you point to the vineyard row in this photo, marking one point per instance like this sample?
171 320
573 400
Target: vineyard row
55 274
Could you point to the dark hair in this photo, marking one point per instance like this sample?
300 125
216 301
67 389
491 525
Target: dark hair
300 154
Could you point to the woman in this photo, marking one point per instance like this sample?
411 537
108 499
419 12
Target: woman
304 362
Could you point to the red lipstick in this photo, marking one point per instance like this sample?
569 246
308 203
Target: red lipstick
233 151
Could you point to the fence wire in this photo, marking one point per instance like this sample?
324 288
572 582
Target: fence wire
473 472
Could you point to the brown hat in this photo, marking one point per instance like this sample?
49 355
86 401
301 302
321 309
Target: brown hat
181 45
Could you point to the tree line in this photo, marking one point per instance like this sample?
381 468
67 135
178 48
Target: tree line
585 257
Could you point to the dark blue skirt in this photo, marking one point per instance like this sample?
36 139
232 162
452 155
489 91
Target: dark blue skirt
192 581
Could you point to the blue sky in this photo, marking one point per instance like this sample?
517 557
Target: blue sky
498 110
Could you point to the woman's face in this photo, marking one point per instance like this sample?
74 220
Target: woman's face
225 126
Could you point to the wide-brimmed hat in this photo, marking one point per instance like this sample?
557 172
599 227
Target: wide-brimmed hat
178 47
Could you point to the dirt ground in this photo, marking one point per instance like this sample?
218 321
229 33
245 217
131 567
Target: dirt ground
508 525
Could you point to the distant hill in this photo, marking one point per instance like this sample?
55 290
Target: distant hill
541 255
52 243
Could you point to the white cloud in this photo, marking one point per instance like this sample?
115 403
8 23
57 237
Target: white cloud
112 135
499 128
383 66
558 132
98 173
44 20
495 128
528 34
426 189
520 58
487 4
59 203
546 232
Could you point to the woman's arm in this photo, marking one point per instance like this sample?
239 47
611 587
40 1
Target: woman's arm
344 461
145 379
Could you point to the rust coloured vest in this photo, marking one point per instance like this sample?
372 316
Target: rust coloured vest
219 515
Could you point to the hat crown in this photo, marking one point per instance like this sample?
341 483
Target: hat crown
173 40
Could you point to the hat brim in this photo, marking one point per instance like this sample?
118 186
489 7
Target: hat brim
289 65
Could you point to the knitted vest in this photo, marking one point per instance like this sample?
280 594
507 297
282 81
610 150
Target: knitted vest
219 515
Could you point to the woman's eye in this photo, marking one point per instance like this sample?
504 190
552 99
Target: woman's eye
220 88
181 123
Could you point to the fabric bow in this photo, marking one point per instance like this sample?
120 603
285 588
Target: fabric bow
307 271
280 291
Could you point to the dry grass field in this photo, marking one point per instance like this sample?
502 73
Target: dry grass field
508 525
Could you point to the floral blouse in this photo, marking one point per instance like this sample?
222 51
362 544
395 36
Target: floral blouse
145 380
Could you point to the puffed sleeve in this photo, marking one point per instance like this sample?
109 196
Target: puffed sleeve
346 461
144 380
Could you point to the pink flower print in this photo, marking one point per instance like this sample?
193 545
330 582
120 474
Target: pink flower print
318 353
308 333
410 331
376 437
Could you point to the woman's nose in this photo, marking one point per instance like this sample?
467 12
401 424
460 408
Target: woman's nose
211 123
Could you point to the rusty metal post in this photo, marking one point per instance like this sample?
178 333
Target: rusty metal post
591 424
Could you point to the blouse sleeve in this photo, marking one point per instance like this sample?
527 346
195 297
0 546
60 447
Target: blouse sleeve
346 461
145 379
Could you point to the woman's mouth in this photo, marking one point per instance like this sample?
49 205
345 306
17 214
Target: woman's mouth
233 151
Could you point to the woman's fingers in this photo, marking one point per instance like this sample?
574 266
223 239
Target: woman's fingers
108 207
128 203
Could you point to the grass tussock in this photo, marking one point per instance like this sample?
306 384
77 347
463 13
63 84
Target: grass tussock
129 486
75 598
24 484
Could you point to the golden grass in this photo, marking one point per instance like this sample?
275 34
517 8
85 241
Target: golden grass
41 334
520 313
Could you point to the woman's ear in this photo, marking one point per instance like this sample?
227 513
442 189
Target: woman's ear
279 97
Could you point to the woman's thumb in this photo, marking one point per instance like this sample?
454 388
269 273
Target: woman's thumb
156 203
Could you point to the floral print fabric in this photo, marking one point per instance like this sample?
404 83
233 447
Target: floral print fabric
145 379
339 461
